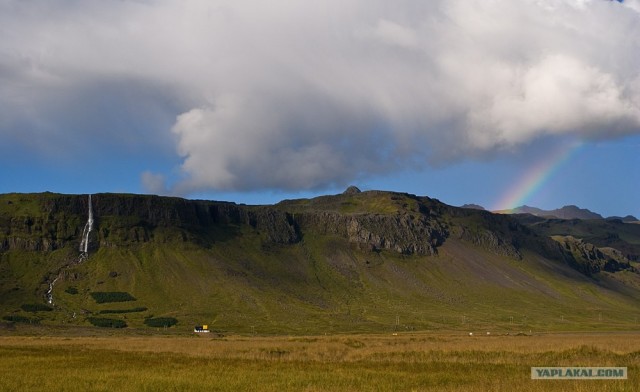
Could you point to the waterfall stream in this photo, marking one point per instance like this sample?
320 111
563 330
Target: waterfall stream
50 291
84 253
84 244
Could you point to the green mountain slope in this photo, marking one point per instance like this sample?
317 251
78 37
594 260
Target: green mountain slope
360 261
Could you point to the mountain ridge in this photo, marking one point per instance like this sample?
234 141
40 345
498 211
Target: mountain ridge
566 212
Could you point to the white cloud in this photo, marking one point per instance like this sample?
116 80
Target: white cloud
300 95
394 34
154 183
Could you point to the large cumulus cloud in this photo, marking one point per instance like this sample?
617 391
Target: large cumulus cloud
302 95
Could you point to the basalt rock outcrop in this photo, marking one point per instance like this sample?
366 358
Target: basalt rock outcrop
57 221
590 259
54 221
403 233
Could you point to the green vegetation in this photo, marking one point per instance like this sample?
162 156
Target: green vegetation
102 297
424 362
21 204
107 322
36 308
20 319
370 202
132 310
161 322
325 285
71 290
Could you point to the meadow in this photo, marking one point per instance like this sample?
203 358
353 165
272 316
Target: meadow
442 361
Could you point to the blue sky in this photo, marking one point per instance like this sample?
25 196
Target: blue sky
254 103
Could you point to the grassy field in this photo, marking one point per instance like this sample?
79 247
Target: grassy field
444 361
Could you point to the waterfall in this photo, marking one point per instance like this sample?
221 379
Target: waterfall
84 244
50 291
84 252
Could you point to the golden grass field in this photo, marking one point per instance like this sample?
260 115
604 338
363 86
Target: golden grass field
443 361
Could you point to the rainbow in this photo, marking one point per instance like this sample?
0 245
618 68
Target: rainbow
536 177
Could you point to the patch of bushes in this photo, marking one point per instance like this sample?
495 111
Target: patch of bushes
107 322
20 319
36 308
103 297
132 310
161 322
71 290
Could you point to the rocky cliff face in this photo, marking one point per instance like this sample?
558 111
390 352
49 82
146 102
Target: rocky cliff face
55 221
489 240
26 225
499 234
374 221
120 219
406 234
590 259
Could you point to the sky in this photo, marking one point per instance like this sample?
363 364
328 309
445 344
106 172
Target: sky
494 102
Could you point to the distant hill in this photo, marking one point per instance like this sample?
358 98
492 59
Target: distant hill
473 207
566 212
367 261
628 218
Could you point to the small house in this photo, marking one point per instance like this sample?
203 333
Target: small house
201 329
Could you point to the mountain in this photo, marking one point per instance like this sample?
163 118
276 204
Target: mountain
359 261
566 212
627 219
473 206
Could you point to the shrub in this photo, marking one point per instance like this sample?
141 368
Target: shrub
107 322
71 290
102 297
132 310
20 319
36 308
161 322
